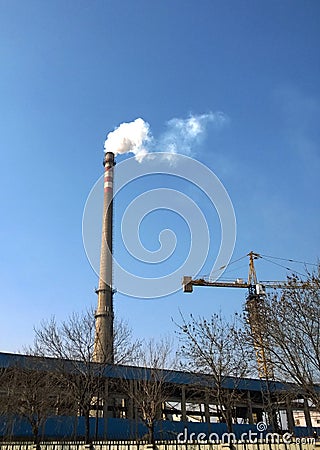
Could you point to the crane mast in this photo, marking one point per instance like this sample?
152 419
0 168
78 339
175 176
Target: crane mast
256 315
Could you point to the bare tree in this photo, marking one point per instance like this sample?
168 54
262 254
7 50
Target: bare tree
152 389
3 389
5 383
293 328
72 344
126 348
216 350
31 394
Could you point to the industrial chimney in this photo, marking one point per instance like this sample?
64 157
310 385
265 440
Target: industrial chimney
103 349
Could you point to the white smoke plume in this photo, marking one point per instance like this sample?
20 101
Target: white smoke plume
181 135
130 137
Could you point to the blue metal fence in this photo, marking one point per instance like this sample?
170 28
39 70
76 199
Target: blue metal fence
73 428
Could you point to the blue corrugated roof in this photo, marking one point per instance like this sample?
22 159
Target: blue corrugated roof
136 373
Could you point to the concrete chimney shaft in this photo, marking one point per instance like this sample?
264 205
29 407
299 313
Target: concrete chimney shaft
103 350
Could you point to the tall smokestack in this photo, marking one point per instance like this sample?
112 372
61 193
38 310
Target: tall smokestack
103 350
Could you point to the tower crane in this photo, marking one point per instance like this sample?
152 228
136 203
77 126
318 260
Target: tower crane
254 308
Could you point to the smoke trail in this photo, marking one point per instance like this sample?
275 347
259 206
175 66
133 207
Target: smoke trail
184 135
180 136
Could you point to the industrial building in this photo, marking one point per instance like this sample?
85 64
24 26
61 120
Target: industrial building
115 415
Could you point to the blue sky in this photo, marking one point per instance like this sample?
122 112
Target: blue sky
71 71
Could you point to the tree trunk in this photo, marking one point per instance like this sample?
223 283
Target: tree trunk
151 439
229 423
36 437
87 426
